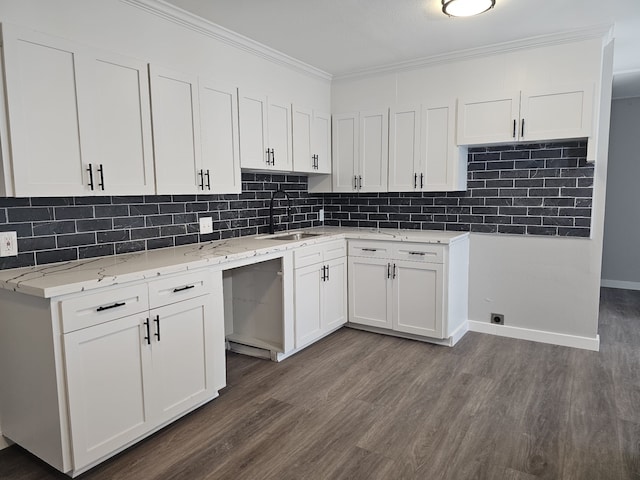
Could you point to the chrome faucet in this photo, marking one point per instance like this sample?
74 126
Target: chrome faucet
271 226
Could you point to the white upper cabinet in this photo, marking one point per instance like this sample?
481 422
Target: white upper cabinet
265 133
78 118
563 113
195 134
526 116
404 149
121 150
45 103
345 152
175 132
374 151
219 137
423 155
311 141
443 163
361 151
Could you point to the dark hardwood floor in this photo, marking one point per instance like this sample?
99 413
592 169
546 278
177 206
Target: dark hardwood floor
364 406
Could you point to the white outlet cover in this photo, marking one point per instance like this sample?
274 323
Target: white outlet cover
8 244
206 225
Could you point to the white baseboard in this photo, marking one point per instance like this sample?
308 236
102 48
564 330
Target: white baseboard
4 443
623 284
458 333
586 343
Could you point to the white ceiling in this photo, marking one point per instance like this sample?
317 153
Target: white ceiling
345 36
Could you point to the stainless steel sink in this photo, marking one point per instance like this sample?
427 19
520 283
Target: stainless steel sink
291 236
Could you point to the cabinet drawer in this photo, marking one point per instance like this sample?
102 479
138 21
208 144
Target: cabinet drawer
181 287
373 249
92 309
419 252
335 250
324 252
305 256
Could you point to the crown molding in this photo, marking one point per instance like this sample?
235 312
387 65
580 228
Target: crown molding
188 20
598 31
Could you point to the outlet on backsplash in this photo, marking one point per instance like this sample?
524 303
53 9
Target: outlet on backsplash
8 244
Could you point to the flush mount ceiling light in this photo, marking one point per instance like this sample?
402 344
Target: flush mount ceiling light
466 8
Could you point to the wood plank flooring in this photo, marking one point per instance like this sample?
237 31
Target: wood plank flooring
363 406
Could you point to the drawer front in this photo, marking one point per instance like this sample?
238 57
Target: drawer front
180 287
419 252
305 256
372 249
335 250
92 309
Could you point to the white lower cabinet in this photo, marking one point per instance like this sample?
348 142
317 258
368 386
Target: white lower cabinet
108 367
320 280
183 356
109 386
417 298
412 288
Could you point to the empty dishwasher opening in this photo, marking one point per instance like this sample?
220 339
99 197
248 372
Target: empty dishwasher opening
253 309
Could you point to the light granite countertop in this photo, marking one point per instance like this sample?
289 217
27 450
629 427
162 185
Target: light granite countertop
81 275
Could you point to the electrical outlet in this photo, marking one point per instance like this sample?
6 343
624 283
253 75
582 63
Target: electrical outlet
497 319
8 244
206 225
321 215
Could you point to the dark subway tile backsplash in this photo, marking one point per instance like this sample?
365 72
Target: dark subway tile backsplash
524 189
67 228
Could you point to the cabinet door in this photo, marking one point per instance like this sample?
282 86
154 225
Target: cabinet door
302 140
417 298
279 134
252 111
345 152
47 103
308 305
109 387
121 153
440 155
374 151
219 137
176 134
183 356
488 119
369 292
404 149
334 294
321 141
556 114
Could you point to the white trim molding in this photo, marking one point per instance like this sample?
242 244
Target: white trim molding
623 284
599 31
585 343
4 443
188 20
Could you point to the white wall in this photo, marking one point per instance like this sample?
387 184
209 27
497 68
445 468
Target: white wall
621 255
547 287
